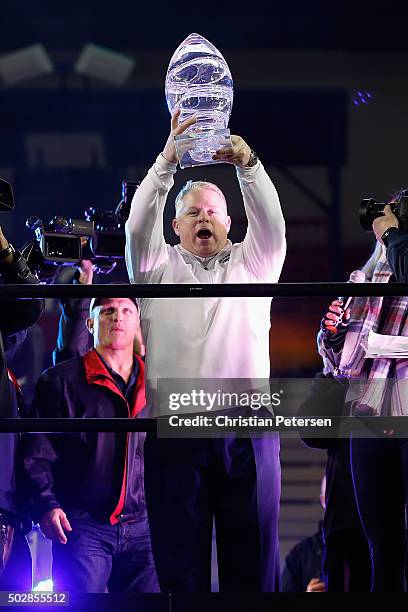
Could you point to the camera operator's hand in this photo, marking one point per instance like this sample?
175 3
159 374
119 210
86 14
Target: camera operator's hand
3 245
169 151
54 524
238 154
85 269
381 224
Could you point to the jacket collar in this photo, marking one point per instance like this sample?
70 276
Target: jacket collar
190 257
97 374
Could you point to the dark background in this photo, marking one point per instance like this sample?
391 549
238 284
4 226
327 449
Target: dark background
353 26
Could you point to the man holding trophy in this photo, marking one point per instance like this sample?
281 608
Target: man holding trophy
191 482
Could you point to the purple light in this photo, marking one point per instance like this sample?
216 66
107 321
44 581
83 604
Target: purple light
362 97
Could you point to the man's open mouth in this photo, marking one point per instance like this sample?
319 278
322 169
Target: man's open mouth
204 234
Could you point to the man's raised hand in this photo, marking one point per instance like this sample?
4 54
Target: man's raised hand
169 151
238 154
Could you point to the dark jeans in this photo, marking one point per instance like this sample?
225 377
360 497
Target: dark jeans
100 557
16 575
346 562
188 482
380 474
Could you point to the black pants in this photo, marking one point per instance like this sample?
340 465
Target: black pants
346 562
380 475
188 482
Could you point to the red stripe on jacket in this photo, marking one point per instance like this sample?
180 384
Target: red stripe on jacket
14 380
97 374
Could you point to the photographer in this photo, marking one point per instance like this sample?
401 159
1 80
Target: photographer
386 229
377 387
15 317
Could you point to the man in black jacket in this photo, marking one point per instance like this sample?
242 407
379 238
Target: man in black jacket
15 317
89 493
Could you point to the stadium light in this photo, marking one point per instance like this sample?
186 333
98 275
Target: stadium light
104 64
25 64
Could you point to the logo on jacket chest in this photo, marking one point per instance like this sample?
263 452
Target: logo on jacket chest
225 258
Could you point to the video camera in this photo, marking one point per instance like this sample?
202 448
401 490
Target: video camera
370 210
99 237
6 196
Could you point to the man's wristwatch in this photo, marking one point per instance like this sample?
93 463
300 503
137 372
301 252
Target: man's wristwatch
384 237
253 159
9 250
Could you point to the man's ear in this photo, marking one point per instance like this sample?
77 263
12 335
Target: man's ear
175 225
90 325
228 224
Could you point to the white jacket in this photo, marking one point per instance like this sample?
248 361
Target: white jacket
211 338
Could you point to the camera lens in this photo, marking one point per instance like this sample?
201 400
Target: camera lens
368 211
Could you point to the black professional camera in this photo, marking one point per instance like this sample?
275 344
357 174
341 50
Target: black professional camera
60 239
108 240
62 242
6 196
370 210
57 243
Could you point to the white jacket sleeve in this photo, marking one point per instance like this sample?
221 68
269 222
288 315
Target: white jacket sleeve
264 246
146 250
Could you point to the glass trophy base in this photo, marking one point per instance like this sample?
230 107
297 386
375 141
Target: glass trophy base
197 148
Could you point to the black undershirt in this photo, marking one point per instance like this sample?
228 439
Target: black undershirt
128 388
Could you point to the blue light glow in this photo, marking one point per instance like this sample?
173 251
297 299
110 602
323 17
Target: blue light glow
44 585
360 98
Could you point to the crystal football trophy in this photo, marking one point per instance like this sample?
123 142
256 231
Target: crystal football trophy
199 82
